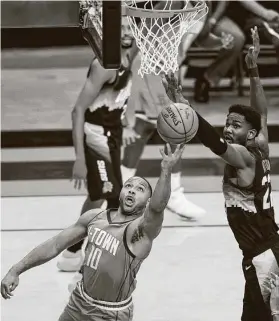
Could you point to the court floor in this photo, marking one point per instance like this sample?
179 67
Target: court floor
193 272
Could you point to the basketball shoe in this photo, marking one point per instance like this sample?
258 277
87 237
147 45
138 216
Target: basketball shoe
70 261
179 205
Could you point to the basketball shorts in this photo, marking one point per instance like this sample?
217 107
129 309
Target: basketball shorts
103 159
257 271
81 309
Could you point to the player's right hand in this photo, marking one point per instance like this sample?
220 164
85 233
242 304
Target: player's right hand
171 158
129 136
173 89
79 173
8 284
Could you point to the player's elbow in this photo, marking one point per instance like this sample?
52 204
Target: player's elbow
153 223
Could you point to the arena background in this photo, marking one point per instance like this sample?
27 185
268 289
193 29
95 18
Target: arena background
195 268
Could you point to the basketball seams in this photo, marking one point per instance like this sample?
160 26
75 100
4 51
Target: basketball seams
170 125
195 119
185 133
166 127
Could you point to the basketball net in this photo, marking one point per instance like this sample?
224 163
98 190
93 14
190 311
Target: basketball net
158 30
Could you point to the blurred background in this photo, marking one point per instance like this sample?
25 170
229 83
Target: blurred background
44 63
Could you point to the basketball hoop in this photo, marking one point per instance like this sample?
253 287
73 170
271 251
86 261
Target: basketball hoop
158 30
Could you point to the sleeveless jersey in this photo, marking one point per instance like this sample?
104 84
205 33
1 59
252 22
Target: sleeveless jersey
109 269
250 210
107 108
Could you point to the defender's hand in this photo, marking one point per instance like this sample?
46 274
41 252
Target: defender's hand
253 51
129 136
169 158
173 90
79 173
8 284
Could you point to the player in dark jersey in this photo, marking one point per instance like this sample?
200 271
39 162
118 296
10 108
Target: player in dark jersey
118 242
246 186
97 136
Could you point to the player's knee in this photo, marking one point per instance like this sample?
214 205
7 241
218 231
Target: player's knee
239 40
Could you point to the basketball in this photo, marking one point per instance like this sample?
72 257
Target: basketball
177 123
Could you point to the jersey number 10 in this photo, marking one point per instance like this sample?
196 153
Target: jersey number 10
94 257
267 198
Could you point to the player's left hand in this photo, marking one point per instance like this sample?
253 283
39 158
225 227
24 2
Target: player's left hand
173 89
129 136
171 158
253 51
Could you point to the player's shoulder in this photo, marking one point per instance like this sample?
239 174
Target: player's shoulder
89 216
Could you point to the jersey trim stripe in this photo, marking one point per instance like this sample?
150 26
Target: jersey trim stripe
126 244
110 306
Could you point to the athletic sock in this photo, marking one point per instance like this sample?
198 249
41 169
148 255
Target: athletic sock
175 181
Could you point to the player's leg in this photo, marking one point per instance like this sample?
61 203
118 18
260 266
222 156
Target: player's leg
257 272
223 63
133 152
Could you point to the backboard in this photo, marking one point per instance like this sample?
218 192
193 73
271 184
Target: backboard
100 23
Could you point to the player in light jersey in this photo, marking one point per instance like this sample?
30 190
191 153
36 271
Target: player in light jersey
97 137
247 187
119 240
147 98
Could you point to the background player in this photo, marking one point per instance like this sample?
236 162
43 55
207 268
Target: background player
147 98
97 136
118 242
247 187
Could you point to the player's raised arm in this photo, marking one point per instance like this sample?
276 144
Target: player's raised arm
234 154
96 78
153 216
146 228
47 251
257 96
